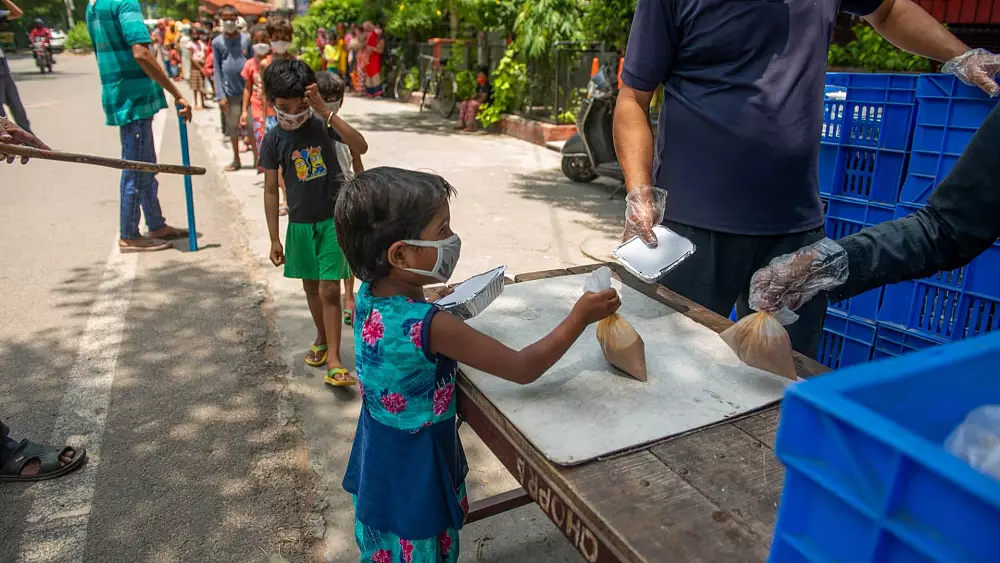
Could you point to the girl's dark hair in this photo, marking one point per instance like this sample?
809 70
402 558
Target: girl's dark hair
330 85
259 28
279 26
380 207
286 78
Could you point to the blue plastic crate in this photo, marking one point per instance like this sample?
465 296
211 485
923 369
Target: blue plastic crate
948 115
867 121
867 478
846 341
949 305
892 341
845 216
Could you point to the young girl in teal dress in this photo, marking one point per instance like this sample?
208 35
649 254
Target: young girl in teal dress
407 467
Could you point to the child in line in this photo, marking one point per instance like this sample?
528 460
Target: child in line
279 32
197 48
174 58
470 108
407 467
254 112
331 89
300 146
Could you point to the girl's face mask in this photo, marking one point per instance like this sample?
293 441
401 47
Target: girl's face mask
261 49
448 252
280 47
334 107
292 121
481 80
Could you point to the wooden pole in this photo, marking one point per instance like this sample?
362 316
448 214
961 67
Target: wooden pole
32 152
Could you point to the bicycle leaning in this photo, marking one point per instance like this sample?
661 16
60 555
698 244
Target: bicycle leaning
440 88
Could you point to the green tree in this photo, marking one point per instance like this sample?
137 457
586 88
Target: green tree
326 14
177 9
870 51
609 21
541 23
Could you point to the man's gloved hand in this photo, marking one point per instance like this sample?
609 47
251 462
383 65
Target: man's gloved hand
976 67
643 211
11 134
793 279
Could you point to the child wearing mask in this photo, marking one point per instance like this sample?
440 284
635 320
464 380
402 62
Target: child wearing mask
331 89
407 468
301 148
254 109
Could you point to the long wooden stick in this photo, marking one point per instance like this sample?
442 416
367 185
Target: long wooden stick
32 152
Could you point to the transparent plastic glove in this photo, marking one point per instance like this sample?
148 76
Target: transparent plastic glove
976 67
644 210
977 440
793 279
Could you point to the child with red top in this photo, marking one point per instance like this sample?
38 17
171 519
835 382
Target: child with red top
255 111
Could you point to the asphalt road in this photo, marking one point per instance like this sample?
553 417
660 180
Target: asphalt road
157 363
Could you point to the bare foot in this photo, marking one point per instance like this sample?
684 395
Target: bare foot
34 466
143 244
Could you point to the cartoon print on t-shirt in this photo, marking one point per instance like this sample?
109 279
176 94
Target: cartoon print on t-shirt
309 164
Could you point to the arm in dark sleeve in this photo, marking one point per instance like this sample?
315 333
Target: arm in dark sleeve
650 52
961 221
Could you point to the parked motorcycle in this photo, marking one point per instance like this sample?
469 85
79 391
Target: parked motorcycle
590 153
43 57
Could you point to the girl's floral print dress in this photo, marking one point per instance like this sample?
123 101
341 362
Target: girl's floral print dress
407 467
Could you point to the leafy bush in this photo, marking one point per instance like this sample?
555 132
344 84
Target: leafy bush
311 56
541 23
609 21
466 80
78 37
870 51
506 78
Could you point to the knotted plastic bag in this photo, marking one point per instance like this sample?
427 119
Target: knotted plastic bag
977 440
622 345
762 342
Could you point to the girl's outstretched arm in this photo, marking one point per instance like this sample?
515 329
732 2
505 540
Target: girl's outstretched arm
453 338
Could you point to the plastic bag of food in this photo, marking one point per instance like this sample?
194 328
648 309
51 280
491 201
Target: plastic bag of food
762 342
622 345
977 440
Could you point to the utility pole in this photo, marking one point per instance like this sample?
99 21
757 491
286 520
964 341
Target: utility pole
69 14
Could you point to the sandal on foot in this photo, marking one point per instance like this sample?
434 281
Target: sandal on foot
320 359
48 459
346 378
282 210
348 317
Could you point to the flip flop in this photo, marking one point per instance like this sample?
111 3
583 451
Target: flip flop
348 317
282 210
48 458
320 360
331 378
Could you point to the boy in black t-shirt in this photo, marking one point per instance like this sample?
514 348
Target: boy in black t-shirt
300 148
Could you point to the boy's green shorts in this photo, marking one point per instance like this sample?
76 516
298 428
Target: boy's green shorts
312 252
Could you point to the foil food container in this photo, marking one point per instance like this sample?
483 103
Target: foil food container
475 294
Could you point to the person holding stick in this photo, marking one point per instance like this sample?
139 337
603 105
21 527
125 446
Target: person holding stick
132 84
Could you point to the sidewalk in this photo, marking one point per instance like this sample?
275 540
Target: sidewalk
514 207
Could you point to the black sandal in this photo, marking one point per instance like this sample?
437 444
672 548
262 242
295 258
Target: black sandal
48 458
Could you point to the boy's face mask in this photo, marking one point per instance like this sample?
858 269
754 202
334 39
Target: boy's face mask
292 121
448 252
228 26
280 47
261 49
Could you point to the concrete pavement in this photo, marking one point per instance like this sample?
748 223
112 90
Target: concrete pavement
514 207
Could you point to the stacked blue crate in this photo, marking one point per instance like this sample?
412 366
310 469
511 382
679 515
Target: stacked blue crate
954 305
867 123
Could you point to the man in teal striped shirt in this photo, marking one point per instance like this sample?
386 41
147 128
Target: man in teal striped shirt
132 82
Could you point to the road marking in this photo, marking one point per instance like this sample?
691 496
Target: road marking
56 527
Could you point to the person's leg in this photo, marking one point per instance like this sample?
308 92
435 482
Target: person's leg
311 287
472 109
806 332
717 272
137 144
463 109
350 306
329 293
7 445
10 96
37 453
233 111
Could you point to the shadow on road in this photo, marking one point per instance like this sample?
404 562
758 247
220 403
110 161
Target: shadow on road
605 215
194 464
425 122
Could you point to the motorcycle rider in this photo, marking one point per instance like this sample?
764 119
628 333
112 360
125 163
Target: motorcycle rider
40 31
